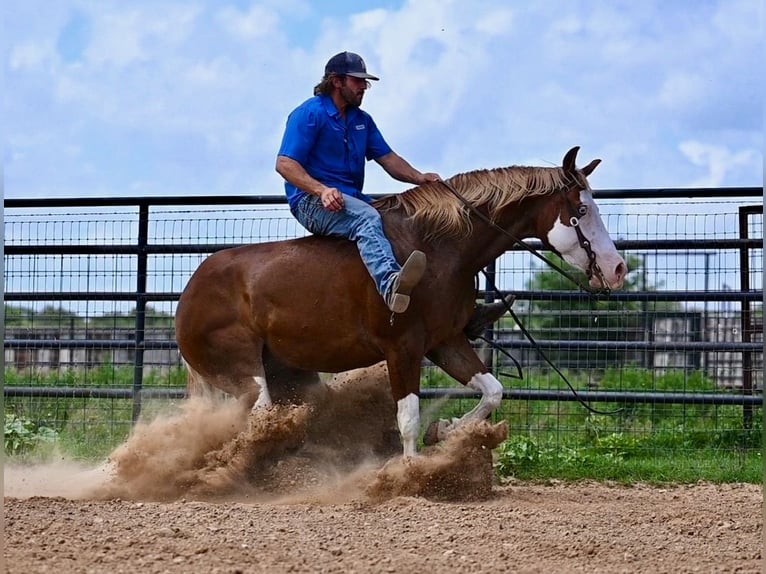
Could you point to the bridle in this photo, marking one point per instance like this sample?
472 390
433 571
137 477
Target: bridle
574 220
593 267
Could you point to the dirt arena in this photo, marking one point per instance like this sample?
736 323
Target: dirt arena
315 488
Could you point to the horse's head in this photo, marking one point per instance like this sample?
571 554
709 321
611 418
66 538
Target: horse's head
578 234
565 219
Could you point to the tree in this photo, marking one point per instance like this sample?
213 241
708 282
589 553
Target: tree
154 319
48 317
53 317
590 320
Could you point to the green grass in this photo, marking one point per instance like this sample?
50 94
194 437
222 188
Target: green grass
620 460
94 427
86 428
641 443
100 376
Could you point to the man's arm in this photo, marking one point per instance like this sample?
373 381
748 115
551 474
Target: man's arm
400 169
294 173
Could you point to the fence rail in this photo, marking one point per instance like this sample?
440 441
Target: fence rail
142 292
623 397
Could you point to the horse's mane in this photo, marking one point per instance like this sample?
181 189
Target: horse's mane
441 213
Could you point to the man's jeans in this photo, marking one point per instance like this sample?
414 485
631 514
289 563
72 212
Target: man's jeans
359 222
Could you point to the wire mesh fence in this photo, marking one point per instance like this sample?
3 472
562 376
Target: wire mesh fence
676 358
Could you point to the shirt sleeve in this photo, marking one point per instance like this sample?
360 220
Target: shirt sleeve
376 145
300 134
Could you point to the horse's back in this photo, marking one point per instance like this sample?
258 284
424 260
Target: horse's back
257 269
288 295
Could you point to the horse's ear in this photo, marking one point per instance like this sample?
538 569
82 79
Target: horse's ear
588 169
570 158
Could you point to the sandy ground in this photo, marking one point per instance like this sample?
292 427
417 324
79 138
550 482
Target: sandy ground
521 528
319 488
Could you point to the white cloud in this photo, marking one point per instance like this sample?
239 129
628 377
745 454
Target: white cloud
30 55
718 161
681 89
126 34
118 39
429 56
177 95
495 23
368 22
257 22
569 25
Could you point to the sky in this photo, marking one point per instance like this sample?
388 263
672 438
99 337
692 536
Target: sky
186 98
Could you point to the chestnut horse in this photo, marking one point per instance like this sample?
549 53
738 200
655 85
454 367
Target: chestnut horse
254 317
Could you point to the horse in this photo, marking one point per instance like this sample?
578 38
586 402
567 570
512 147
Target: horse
256 317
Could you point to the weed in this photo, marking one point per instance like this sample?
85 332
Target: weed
22 436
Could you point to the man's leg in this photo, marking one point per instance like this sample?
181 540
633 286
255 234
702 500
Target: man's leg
361 223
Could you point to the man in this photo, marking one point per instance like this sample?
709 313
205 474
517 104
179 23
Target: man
322 159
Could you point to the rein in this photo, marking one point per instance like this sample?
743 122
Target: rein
574 220
540 352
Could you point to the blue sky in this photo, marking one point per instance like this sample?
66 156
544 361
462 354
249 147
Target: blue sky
141 98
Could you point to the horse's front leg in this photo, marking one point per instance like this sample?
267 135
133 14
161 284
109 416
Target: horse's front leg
458 359
404 374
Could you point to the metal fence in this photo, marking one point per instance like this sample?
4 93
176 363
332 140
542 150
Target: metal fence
91 286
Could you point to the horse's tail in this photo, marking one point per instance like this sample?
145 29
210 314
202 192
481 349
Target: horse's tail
197 386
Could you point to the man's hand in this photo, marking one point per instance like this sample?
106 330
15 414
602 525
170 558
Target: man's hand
293 172
332 199
426 177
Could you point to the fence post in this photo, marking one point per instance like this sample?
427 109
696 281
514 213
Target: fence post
141 273
745 316
489 332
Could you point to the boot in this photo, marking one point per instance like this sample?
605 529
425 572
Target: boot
398 298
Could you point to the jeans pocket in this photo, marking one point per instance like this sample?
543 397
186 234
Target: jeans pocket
306 212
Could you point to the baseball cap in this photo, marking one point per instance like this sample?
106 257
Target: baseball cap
348 64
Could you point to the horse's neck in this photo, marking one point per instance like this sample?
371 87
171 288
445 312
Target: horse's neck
486 243
467 254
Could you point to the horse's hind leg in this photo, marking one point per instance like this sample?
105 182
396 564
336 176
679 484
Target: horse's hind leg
288 384
251 391
256 384
275 382
218 343
237 372
198 386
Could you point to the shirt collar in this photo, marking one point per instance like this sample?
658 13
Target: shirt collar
333 112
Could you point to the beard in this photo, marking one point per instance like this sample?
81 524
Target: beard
352 97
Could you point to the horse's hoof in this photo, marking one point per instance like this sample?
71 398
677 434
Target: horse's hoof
436 432
431 436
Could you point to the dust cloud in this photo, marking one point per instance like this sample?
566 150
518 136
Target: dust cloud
341 445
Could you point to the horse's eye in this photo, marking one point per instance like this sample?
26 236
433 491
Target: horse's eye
582 209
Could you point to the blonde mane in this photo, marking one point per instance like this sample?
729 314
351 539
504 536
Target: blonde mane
441 213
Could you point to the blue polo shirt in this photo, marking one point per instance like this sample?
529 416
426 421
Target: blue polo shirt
330 150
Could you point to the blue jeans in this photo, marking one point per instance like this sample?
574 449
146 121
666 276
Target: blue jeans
360 222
